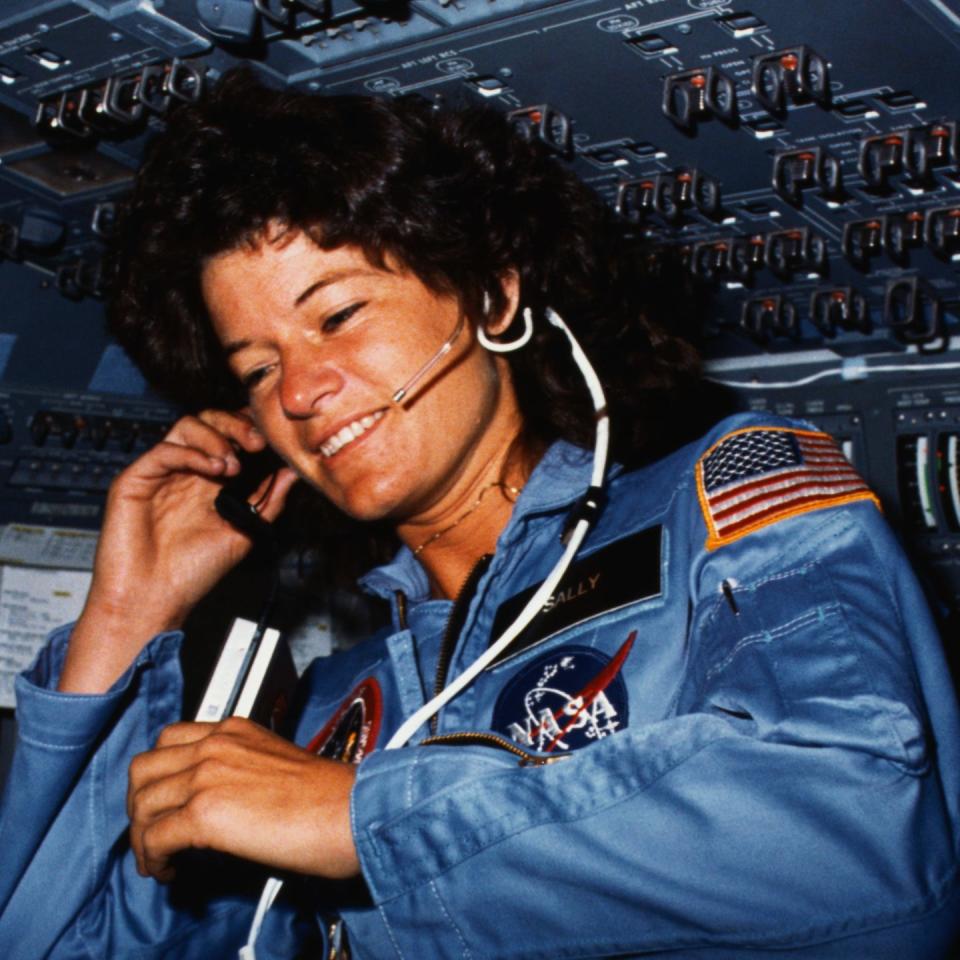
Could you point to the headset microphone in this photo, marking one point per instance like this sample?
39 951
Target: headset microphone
399 395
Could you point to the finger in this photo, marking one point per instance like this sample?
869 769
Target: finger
194 432
176 750
275 495
153 800
238 425
154 765
164 780
242 738
167 458
210 747
225 738
178 734
179 829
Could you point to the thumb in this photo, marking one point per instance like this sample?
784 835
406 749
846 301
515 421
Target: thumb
283 483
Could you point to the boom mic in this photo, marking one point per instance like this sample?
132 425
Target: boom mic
401 393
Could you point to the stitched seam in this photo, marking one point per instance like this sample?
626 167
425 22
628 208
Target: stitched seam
718 606
390 934
30 741
879 568
59 697
93 859
868 674
615 800
465 950
767 635
784 575
408 788
849 525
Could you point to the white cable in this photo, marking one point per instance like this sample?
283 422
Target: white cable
834 372
270 890
602 439
545 590
534 605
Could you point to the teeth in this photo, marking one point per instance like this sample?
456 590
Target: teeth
349 433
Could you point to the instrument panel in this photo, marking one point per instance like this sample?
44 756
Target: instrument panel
803 159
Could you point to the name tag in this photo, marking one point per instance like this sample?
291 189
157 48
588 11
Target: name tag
623 572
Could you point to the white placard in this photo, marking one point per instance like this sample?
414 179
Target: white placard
57 547
33 602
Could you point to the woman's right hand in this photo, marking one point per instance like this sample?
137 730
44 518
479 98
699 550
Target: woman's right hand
163 546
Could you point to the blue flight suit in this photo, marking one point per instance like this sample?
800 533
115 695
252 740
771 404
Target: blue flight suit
731 733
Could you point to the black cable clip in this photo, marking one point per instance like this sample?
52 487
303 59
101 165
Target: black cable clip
588 507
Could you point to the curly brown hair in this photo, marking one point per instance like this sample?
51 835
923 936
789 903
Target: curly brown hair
457 197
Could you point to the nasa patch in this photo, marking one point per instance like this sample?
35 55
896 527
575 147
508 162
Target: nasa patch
351 733
564 700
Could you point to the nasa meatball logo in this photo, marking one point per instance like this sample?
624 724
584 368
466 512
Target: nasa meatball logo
564 700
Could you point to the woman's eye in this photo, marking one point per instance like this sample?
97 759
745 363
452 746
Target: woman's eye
341 316
251 379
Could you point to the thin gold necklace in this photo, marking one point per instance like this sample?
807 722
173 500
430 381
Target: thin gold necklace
514 491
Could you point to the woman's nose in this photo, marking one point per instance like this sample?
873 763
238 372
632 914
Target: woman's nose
306 380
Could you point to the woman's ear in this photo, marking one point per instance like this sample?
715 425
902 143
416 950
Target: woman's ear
496 321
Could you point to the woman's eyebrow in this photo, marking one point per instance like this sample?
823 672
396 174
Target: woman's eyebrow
234 346
327 280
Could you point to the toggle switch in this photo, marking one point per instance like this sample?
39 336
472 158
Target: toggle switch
928 148
546 124
942 231
710 259
880 159
800 249
693 95
769 317
794 75
914 314
904 231
841 308
797 170
745 256
863 240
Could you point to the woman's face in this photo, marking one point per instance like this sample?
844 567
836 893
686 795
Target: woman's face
322 340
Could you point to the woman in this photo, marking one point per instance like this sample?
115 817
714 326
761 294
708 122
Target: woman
737 672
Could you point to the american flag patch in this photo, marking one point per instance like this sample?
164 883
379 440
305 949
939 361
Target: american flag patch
754 477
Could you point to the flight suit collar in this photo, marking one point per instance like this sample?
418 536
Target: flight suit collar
557 482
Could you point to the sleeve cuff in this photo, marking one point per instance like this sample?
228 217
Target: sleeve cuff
48 717
395 851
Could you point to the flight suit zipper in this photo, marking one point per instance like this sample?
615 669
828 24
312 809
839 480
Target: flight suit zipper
400 598
476 738
455 622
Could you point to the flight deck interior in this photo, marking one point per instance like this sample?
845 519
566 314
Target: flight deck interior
800 160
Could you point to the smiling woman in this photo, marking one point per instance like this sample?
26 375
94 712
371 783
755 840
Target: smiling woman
717 635
322 340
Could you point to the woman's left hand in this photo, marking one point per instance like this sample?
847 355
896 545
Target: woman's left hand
235 787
